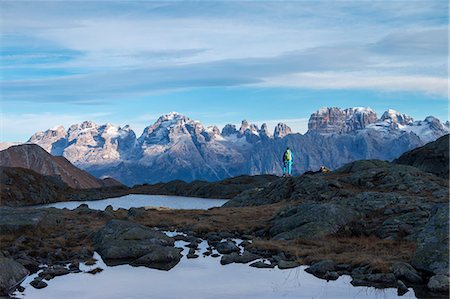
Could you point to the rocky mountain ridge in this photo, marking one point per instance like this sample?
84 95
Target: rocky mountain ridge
177 147
33 157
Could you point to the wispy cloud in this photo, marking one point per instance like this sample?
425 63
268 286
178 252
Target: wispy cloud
435 86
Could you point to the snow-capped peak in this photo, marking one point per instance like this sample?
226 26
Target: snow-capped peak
396 117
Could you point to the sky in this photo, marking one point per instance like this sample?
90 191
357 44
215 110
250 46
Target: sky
219 62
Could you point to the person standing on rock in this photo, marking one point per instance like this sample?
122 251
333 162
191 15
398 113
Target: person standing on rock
288 159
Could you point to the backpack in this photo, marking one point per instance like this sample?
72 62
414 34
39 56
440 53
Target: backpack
287 155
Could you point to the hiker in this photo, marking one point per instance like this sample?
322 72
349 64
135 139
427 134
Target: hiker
288 159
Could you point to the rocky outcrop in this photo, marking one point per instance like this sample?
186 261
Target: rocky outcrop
310 221
224 189
121 242
24 187
396 119
433 243
281 130
31 156
11 274
432 157
336 120
21 187
16 221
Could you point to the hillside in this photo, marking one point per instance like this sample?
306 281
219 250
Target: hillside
33 157
432 157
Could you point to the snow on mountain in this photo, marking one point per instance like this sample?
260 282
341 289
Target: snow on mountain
397 118
177 147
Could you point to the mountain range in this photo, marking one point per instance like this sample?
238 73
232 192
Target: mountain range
177 147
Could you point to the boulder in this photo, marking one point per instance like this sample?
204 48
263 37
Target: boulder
15 221
234 257
321 268
402 289
11 274
310 220
160 257
433 242
120 242
53 271
262 265
282 264
331 275
382 280
38 283
227 247
405 272
439 283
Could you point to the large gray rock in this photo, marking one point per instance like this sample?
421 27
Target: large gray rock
13 220
160 257
433 242
439 283
405 272
310 220
234 257
227 247
320 269
122 241
11 274
433 157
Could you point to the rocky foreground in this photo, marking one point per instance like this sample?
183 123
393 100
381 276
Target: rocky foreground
384 224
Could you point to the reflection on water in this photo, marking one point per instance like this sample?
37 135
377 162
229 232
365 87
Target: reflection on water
200 278
139 200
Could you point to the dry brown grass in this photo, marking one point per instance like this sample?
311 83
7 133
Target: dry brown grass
356 251
75 232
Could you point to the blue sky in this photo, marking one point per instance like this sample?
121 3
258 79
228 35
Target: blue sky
127 62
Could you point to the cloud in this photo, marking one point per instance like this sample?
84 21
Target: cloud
436 86
433 42
99 52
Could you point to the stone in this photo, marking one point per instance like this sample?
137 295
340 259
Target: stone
321 268
402 289
53 271
122 240
191 254
227 247
95 271
331 275
405 272
262 265
234 257
160 257
310 220
439 283
383 280
229 258
12 273
38 283
432 253
283 264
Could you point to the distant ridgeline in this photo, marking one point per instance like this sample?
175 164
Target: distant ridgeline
176 147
